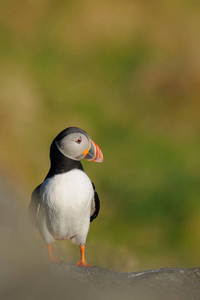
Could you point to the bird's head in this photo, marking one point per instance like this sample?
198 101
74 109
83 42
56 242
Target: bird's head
76 144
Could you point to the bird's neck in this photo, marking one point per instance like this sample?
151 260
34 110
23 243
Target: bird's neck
60 163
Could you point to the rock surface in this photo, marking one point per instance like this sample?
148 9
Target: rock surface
168 283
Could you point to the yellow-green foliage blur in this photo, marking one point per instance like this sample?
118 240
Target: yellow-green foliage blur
128 73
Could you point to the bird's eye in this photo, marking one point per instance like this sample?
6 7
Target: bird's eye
79 140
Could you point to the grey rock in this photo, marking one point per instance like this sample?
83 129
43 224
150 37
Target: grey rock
168 283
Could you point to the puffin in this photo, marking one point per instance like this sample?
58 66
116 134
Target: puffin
65 203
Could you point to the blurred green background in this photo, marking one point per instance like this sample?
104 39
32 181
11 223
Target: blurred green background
128 73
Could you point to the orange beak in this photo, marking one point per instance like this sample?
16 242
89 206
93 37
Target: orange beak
94 153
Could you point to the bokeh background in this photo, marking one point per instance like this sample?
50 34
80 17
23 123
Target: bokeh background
128 73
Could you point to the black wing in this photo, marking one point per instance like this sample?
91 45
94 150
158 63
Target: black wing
35 206
95 205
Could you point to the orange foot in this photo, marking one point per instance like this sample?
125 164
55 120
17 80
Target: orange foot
51 257
82 262
55 260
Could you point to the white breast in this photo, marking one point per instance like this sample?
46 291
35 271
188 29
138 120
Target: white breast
66 201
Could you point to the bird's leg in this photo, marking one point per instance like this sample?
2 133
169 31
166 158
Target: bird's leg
52 258
82 262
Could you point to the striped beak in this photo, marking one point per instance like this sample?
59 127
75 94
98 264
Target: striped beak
94 153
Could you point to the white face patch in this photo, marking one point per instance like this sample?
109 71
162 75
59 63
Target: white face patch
73 145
